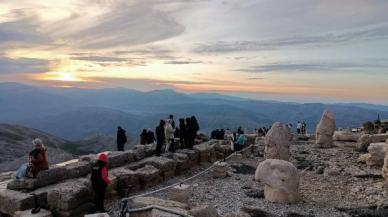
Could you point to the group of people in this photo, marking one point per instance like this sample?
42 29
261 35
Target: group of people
262 131
147 136
237 138
168 133
301 127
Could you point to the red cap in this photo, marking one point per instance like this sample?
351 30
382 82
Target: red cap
103 158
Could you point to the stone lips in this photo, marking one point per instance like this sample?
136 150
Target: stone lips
325 130
281 180
277 142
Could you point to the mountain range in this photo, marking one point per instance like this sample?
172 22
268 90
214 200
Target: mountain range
74 114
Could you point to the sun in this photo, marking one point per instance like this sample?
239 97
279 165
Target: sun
61 76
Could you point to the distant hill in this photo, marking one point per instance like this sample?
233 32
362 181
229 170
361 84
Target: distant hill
73 113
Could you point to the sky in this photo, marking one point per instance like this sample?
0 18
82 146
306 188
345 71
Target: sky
292 50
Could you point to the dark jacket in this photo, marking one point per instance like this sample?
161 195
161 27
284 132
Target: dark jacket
160 136
121 137
99 177
150 137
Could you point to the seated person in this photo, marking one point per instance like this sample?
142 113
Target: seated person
238 145
37 159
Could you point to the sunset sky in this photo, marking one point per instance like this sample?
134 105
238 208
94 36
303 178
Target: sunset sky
295 50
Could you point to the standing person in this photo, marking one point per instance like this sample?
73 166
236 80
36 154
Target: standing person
171 117
240 131
238 145
193 131
38 160
121 138
303 127
100 181
143 137
298 127
150 136
182 132
160 137
188 132
169 132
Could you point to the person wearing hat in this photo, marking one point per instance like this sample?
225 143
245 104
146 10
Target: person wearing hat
100 181
37 159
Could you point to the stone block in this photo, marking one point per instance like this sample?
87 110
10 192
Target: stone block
120 158
220 170
78 169
69 195
193 156
44 178
149 176
165 165
27 213
76 212
12 201
97 215
126 179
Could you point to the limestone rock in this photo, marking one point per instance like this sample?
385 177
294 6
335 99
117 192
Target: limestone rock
206 151
204 211
277 142
165 165
126 180
192 154
27 213
78 211
325 130
345 136
377 153
281 180
239 214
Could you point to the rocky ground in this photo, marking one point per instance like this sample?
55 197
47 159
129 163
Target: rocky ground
333 183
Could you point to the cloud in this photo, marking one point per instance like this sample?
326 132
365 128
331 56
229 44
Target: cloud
183 62
375 32
312 67
21 31
23 65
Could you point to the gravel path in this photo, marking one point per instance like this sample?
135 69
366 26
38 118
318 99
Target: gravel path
321 193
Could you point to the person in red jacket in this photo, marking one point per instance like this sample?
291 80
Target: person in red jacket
100 181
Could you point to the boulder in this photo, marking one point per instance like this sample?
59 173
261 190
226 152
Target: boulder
325 130
376 154
281 180
69 195
365 140
204 211
345 136
120 158
27 213
181 193
277 142
149 176
12 201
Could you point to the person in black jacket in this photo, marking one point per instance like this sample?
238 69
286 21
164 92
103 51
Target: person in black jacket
121 138
100 181
160 137
193 129
182 133
150 136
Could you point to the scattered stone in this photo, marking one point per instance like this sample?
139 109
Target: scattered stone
256 212
204 211
241 168
239 214
325 130
277 142
27 213
281 180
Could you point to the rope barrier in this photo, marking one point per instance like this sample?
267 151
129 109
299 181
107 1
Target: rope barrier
125 200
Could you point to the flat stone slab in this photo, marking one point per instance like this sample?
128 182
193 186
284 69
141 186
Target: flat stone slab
27 213
97 215
119 158
139 202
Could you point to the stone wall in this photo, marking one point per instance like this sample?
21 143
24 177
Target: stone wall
66 190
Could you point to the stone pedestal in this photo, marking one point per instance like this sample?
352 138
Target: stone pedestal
181 193
27 213
220 170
